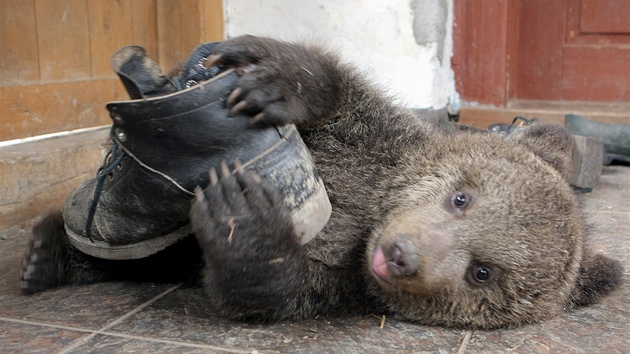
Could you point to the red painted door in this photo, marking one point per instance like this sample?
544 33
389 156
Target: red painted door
554 50
573 50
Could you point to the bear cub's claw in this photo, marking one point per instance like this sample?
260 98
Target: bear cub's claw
274 89
236 208
30 282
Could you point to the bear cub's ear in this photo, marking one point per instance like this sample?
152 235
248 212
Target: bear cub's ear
599 275
553 143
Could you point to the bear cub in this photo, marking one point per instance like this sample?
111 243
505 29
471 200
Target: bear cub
462 229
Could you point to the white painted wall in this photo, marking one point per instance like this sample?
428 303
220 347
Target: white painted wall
376 35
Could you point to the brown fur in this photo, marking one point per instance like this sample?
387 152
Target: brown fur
388 174
459 229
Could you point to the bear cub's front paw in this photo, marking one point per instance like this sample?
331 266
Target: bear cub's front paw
238 214
279 83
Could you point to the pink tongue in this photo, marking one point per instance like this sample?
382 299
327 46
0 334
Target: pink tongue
379 265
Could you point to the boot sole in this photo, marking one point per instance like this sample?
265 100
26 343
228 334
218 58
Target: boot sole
136 250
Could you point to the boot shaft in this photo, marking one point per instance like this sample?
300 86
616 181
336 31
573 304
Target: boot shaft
184 134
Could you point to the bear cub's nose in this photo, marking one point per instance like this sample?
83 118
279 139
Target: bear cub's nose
402 256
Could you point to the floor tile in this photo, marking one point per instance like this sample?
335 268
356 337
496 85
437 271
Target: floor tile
609 233
600 328
18 337
106 344
12 245
575 332
612 193
132 317
183 316
88 307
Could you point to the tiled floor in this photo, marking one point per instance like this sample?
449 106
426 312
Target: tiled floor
171 318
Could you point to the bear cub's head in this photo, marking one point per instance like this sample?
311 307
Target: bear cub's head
484 232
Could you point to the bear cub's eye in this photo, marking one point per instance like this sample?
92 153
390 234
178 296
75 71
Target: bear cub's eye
479 274
460 201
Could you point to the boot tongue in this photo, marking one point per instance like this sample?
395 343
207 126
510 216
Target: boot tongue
194 72
140 75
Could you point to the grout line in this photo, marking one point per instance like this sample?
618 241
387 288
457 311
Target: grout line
139 308
121 335
93 334
43 324
465 341
185 344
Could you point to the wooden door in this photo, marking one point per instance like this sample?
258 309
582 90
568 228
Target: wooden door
560 50
575 50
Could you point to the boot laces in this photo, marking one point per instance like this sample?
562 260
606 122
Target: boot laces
525 122
113 159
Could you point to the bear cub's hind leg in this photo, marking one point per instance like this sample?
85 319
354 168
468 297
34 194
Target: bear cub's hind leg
255 267
50 261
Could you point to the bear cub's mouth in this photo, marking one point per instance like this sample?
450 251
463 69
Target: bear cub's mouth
379 265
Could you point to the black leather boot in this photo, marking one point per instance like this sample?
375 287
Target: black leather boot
164 142
614 137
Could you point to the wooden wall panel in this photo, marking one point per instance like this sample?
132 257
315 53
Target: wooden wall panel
144 23
18 42
55 76
182 25
37 177
178 32
55 71
36 109
211 20
63 39
110 29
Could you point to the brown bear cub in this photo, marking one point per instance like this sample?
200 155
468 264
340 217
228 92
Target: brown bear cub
461 229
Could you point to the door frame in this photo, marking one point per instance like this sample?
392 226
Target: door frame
485 43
